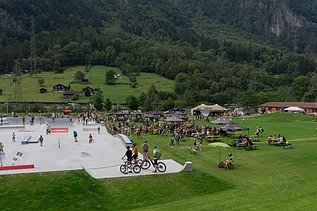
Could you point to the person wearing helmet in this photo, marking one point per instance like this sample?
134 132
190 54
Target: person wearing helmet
156 157
128 154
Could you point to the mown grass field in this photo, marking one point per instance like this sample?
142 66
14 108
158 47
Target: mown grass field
116 93
269 178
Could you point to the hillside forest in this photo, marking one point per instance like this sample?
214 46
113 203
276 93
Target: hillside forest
215 55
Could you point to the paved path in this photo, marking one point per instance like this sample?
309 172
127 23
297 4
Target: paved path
60 152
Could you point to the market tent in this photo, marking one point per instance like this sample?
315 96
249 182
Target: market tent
204 108
68 111
218 108
231 127
174 119
221 121
294 109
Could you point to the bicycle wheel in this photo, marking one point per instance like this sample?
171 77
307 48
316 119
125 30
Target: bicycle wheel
123 169
139 162
145 164
161 167
136 169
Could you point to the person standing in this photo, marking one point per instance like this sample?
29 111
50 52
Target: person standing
13 137
156 157
135 153
98 129
41 139
2 148
145 150
75 136
90 139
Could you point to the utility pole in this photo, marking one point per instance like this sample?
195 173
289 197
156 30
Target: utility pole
33 53
17 89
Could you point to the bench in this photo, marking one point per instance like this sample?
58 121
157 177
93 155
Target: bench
25 140
124 139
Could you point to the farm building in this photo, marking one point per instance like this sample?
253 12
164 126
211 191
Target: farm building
274 107
61 88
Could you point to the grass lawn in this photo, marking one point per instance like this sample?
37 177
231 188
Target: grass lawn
116 93
269 178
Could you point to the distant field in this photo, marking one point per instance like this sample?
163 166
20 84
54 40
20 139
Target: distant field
268 178
116 93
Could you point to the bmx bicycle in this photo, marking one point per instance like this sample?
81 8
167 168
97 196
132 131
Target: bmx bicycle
145 164
124 168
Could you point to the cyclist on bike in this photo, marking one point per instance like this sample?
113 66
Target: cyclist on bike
128 154
156 157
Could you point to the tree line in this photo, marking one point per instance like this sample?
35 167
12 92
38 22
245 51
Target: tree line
210 62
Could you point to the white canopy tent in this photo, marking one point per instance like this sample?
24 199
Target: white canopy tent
294 109
206 109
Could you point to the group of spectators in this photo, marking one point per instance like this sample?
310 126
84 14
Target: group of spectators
276 139
243 142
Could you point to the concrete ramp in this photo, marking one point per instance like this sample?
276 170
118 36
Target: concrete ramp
114 171
188 166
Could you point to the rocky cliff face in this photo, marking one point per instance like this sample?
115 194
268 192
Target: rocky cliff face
290 22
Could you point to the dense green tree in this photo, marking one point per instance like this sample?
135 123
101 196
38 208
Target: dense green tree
111 77
98 100
300 85
132 103
79 76
41 81
108 105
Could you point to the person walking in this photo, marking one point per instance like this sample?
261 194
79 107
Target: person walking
75 136
98 129
13 137
41 139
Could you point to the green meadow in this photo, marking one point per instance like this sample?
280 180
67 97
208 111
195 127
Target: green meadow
116 93
268 178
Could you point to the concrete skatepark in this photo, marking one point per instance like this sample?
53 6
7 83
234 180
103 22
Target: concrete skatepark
60 152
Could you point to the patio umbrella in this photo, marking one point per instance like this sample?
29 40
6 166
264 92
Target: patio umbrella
294 109
219 145
68 111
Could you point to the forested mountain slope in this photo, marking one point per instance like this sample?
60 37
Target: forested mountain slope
218 51
290 22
